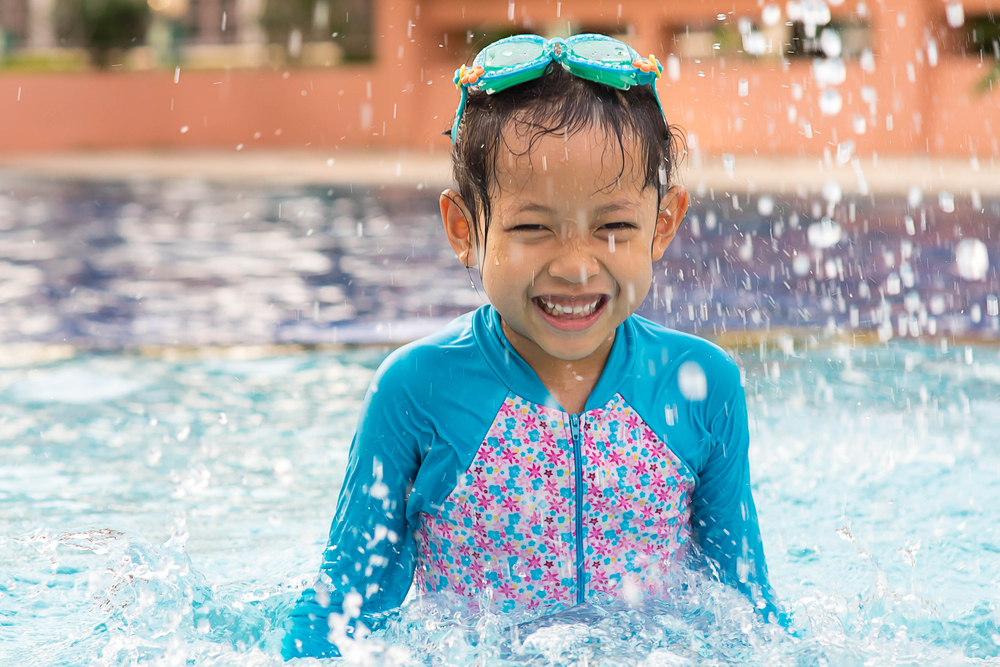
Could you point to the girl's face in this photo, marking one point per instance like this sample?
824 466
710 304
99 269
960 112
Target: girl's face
572 241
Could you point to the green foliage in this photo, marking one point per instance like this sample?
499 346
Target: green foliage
347 22
101 26
990 82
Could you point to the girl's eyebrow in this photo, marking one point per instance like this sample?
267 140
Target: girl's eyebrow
596 213
612 207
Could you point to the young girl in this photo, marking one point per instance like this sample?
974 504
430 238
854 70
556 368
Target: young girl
550 446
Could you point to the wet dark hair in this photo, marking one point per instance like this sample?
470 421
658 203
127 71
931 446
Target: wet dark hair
558 103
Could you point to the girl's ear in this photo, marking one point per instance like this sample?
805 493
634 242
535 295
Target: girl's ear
458 227
668 220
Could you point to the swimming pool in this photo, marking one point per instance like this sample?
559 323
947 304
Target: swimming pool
169 510
163 500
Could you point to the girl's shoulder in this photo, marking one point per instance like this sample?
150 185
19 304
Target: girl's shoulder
660 346
439 368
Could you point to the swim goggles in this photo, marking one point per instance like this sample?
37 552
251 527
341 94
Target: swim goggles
521 58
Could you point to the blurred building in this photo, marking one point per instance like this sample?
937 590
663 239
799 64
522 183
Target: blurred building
803 77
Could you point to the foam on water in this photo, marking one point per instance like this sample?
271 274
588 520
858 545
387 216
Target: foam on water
876 470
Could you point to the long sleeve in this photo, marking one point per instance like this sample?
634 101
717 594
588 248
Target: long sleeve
369 560
724 517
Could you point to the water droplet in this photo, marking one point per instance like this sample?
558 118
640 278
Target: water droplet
867 61
765 205
728 163
972 259
710 220
184 129
830 102
829 41
955 14
829 71
832 192
824 234
692 382
673 68
845 151
946 201
914 197
771 14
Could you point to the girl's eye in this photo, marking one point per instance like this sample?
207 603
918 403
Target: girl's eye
527 228
618 226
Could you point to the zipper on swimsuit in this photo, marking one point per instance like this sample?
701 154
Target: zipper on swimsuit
574 422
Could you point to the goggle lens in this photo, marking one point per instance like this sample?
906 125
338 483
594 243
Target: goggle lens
602 51
511 53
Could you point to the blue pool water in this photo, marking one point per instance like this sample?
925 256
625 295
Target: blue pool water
169 467
167 512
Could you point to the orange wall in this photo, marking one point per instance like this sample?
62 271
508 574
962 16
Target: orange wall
406 99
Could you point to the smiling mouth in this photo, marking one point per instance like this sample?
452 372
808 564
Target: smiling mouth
571 313
570 308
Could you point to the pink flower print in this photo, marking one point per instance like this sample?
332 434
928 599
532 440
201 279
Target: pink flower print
599 504
534 471
551 577
647 512
508 409
654 445
481 487
465 551
534 562
509 547
509 504
531 423
507 590
485 454
460 589
633 421
551 533
640 468
510 457
559 504
602 548
616 459
520 433
547 440
588 440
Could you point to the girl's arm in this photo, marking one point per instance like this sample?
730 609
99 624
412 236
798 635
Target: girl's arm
369 560
724 517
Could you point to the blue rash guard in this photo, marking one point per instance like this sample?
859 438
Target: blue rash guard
466 474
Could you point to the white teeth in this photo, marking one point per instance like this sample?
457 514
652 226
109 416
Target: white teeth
558 309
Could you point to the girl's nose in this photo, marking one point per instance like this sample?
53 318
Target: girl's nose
574 265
